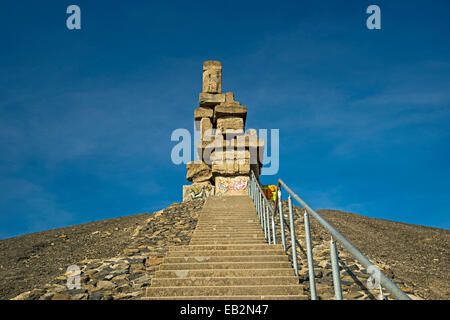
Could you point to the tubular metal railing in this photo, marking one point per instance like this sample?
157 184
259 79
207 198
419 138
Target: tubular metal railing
266 215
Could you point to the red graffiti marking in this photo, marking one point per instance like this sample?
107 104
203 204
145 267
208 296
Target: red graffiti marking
239 185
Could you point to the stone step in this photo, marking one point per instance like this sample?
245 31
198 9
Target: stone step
249 240
229 229
229 219
225 265
227 247
234 220
224 281
220 209
229 214
219 242
255 226
269 297
179 274
228 225
230 232
227 232
224 253
228 236
225 290
206 258
215 212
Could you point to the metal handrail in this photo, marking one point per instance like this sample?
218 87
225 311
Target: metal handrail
266 214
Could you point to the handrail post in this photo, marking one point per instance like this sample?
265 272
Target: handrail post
293 238
335 267
257 205
280 209
268 222
312 280
263 207
273 229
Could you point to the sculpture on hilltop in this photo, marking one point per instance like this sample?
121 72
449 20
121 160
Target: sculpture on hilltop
227 154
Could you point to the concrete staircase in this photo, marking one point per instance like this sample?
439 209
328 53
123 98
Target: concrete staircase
227 259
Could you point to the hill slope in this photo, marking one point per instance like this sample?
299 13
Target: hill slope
416 256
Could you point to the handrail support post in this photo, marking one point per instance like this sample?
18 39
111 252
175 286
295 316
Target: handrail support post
293 238
335 268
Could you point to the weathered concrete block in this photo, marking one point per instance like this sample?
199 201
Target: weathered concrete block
230 125
205 148
203 112
244 168
198 172
231 186
230 154
206 127
197 191
225 168
212 77
210 99
253 144
229 97
230 110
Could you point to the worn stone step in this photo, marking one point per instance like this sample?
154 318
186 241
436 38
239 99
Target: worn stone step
219 241
229 216
226 253
227 247
213 219
225 265
228 228
269 297
229 219
213 226
228 236
249 236
224 281
247 240
228 212
225 290
278 272
223 232
206 258
230 224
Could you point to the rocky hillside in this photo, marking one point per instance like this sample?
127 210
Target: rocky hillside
36 263
118 257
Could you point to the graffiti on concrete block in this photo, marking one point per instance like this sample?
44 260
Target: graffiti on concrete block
197 192
239 185
227 186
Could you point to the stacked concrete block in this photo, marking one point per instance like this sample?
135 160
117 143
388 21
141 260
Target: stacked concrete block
227 154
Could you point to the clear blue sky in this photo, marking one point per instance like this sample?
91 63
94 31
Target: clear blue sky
86 116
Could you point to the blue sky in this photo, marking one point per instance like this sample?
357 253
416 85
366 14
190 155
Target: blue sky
86 116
